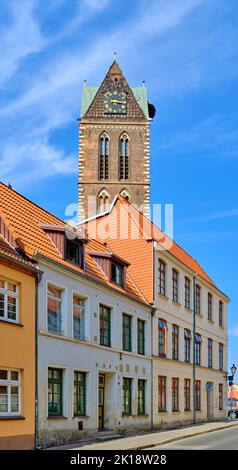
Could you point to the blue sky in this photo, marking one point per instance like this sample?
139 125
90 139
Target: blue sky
186 51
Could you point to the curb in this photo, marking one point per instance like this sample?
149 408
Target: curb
180 438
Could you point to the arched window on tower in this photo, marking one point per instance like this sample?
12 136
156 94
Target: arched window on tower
103 201
124 157
103 156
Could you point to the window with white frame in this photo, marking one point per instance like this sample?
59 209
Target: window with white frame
8 300
9 392
78 317
54 309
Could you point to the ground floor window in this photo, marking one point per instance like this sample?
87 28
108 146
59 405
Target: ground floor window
141 397
198 395
9 392
220 396
161 394
127 386
55 392
79 393
175 394
187 404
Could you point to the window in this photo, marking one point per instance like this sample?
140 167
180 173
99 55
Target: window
220 396
187 345
74 252
141 397
103 201
175 276
175 394
187 292
8 300
175 342
78 317
103 157
161 277
187 404
198 341
79 394
117 274
126 332
162 345
127 385
220 313
162 394
54 306
10 388
124 157
105 326
209 306
209 352
55 392
141 337
197 395
198 300
220 356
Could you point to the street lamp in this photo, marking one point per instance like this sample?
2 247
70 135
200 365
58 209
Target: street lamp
233 369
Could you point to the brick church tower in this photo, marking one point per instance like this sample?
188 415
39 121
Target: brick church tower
114 140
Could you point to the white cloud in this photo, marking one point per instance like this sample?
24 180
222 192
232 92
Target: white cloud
21 38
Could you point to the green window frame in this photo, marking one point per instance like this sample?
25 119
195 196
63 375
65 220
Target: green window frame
141 397
126 332
55 392
127 386
141 337
105 326
79 393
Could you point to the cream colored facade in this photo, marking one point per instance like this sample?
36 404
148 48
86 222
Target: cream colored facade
176 313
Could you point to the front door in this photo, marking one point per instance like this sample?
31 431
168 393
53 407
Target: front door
101 401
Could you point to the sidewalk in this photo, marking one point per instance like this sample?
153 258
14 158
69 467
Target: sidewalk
143 441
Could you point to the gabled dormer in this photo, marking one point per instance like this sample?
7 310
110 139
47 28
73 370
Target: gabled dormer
112 266
69 243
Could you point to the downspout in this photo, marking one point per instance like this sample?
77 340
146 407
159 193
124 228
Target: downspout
152 370
194 364
37 443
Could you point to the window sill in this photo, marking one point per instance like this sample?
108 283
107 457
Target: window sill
187 411
80 417
188 309
199 315
11 322
10 418
176 303
210 321
222 327
163 297
57 417
176 412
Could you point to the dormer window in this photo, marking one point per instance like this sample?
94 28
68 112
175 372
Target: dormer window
74 252
117 274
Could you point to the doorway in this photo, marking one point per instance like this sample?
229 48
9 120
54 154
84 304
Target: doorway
101 401
210 401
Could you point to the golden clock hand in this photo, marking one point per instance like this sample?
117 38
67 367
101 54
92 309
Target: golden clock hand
118 101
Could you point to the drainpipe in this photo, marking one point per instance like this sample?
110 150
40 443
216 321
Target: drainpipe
152 370
37 443
194 365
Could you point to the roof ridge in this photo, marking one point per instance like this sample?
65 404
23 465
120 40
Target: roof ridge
31 202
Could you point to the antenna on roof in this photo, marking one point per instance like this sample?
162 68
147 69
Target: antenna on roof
9 185
84 82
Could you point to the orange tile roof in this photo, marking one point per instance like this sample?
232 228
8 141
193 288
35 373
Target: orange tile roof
138 254
24 218
7 250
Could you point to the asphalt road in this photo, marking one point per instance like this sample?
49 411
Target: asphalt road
226 439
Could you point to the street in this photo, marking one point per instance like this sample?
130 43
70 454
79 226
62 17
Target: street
227 439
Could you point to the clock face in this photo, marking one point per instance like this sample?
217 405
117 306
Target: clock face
114 102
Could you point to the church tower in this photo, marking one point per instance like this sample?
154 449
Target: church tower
114 144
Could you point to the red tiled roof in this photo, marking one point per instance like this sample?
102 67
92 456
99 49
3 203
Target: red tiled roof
137 248
24 220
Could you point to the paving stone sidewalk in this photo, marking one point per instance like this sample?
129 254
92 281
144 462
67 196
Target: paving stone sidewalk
143 441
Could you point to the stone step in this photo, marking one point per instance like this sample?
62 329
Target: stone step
107 436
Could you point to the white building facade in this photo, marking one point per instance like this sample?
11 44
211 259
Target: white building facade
174 397
92 375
